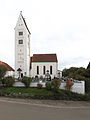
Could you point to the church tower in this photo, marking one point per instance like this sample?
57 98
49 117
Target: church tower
22 48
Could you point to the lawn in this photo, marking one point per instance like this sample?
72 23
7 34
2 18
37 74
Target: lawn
19 90
36 93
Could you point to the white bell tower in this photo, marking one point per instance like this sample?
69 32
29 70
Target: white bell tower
22 48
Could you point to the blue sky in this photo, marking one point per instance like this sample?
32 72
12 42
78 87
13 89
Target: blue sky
57 26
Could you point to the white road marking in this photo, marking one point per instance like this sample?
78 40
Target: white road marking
45 105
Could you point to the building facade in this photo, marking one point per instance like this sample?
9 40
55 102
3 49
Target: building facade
22 48
10 70
38 64
41 63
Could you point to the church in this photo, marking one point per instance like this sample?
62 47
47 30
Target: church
31 66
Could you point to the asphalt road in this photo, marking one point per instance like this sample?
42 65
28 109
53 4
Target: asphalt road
16 110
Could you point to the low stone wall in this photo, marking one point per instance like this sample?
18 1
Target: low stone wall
78 87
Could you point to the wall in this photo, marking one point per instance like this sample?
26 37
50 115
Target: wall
47 65
78 87
9 73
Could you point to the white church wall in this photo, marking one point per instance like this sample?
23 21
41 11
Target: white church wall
47 65
28 53
22 58
10 73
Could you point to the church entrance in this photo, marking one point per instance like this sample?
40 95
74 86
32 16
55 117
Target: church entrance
21 75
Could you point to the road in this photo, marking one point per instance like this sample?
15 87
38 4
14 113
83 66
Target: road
25 110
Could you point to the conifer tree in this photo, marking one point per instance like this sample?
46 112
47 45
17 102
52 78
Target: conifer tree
88 66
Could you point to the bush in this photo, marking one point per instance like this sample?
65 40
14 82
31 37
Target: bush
48 85
26 81
87 85
55 85
39 85
8 81
69 85
3 70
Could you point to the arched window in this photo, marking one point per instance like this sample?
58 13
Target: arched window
50 69
44 69
37 69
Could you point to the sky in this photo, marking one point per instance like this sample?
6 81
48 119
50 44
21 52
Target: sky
56 26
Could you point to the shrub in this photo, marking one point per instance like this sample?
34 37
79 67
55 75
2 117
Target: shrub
55 85
87 85
3 82
69 85
8 81
48 85
39 85
3 70
26 81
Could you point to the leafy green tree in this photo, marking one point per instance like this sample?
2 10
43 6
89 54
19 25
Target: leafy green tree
75 73
69 72
80 71
3 70
87 73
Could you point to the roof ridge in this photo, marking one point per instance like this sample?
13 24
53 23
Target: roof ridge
46 54
24 22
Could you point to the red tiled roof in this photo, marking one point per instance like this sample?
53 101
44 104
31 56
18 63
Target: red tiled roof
44 58
7 66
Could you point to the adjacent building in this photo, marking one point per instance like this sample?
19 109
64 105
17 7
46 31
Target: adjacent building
40 63
10 70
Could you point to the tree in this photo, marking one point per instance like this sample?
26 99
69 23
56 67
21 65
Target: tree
87 73
75 73
69 72
3 70
88 66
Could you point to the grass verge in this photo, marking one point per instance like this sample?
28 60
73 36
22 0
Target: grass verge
36 93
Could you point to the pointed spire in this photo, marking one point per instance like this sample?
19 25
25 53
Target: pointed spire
20 12
24 21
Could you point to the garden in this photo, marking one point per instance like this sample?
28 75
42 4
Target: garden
50 91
